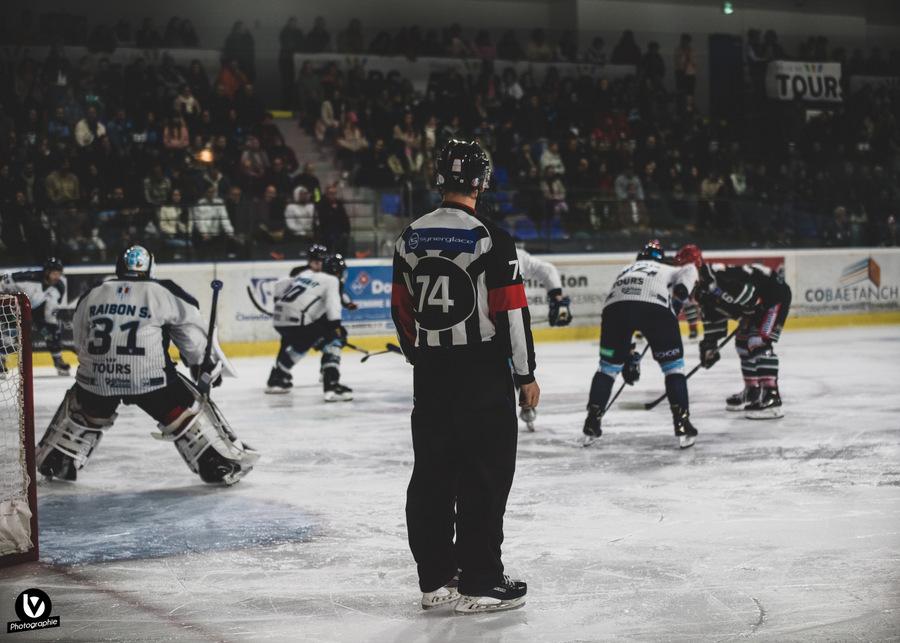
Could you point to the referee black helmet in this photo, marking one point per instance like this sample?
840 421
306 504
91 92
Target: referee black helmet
462 166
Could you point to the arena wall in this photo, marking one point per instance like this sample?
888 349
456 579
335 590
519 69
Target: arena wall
838 287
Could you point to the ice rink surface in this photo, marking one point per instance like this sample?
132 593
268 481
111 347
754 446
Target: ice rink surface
778 530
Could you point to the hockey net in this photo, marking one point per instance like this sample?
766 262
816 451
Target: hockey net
18 497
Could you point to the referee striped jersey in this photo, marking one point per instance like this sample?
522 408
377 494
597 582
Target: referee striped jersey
457 283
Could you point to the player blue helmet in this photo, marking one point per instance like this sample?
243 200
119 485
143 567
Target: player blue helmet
652 251
462 166
135 263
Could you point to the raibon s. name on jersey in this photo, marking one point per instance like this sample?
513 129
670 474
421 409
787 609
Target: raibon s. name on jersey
122 330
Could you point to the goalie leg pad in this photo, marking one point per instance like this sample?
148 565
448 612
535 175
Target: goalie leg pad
71 438
207 444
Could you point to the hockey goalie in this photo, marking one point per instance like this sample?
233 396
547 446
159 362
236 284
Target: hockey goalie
122 328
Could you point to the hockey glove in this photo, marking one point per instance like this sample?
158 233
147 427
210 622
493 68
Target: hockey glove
341 334
351 305
207 377
560 315
709 352
631 371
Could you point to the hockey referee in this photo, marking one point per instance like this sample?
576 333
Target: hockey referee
462 319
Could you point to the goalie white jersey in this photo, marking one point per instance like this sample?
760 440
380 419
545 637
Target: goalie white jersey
651 281
306 298
122 329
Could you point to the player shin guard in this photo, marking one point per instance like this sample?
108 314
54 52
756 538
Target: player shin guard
601 385
69 440
333 390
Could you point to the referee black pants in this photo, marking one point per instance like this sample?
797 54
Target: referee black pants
464 432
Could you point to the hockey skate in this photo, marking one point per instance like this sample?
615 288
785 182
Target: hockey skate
528 416
58 465
337 392
767 406
592 430
684 430
507 595
739 401
446 595
279 382
62 368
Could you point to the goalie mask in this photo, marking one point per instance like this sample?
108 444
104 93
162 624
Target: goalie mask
135 263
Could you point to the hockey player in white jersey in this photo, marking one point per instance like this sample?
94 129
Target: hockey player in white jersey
122 329
308 315
545 273
646 296
46 292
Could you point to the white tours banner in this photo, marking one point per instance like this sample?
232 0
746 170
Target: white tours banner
808 81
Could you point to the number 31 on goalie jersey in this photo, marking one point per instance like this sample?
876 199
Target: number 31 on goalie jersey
443 293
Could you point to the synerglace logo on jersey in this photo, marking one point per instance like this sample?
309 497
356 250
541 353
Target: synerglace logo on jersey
33 607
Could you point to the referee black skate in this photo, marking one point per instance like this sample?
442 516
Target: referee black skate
462 318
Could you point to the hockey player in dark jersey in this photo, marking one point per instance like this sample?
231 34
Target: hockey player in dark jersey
646 296
691 309
461 313
122 329
308 315
46 292
758 298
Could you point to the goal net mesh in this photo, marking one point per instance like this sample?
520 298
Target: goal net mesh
15 513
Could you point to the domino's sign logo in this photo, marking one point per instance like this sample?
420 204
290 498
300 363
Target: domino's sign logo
33 607
358 286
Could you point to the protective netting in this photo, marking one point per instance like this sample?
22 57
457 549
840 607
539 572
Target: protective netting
15 513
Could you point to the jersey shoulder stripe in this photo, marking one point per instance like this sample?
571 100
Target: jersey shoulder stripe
178 291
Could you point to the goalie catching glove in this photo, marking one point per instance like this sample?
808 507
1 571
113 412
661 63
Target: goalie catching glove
709 352
560 315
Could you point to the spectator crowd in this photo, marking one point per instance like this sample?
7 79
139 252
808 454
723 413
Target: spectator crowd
585 155
94 156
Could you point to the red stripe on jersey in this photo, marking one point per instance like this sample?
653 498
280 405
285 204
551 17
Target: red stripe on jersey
401 299
507 298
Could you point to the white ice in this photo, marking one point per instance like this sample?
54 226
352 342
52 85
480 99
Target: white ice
779 530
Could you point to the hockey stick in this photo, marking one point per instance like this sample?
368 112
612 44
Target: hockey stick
357 348
621 388
389 348
654 403
207 365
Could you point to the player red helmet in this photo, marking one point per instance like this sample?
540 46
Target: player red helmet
689 254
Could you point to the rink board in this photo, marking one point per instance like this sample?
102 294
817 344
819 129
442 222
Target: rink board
833 287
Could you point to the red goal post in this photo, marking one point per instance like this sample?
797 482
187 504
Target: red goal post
18 483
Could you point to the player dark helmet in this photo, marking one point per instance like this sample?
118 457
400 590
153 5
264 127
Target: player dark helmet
462 166
135 263
652 251
689 254
51 264
335 265
317 252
